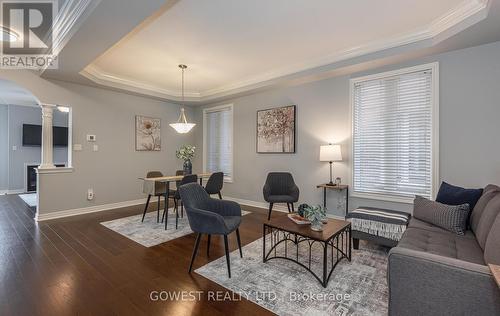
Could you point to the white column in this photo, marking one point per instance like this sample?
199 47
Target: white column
47 138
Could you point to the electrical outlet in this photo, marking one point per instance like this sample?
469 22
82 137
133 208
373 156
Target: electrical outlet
90 194
91 138
95 148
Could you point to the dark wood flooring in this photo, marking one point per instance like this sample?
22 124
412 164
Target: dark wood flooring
75 266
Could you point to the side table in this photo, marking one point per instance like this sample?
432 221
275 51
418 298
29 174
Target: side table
340 187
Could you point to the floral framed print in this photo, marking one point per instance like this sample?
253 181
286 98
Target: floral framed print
276 130
147 133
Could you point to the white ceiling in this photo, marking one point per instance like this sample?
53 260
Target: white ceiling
232 44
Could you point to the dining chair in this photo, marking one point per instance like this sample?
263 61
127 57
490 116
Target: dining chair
159 191
280 188
211 217
215 183
171 195
190 178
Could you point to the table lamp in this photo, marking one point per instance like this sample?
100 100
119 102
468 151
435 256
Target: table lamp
330 153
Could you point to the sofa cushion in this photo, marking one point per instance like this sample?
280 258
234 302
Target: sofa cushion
420 224
492 247
453 195
488 193
443 244
489 215
450 217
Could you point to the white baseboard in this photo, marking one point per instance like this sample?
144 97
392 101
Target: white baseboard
87 210
19 191
264 205
3 192
112 206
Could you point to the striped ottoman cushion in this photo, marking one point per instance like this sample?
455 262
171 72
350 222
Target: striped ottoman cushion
379 222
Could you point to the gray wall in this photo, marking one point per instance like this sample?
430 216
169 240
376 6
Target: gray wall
113 170
4 145
469 129
19 115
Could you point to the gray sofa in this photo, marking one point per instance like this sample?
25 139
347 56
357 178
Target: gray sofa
435 272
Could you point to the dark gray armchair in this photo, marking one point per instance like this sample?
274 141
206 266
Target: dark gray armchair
280 188
211 217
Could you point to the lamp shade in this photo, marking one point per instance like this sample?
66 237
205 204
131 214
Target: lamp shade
330 153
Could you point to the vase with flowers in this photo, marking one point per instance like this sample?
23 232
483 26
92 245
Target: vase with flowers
186 153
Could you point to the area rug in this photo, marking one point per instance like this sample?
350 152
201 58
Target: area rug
150 233
29 199
356 288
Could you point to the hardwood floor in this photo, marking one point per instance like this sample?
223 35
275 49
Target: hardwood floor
75 266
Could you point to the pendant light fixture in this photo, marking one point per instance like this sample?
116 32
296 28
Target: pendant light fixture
182 126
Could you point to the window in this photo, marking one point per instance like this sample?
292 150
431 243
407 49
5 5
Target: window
395 127
218 140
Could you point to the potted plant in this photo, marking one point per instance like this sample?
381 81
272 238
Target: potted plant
186 153
316 215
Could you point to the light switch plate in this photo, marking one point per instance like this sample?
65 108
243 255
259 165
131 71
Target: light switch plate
14 148
95 148
77 147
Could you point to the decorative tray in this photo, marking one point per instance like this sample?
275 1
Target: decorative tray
297 219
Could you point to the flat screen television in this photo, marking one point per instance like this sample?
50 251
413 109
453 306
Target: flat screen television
32 135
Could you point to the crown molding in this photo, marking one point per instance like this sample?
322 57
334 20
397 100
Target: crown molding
67 21
97 75
467 13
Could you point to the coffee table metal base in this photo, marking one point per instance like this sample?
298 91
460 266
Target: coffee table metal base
340 245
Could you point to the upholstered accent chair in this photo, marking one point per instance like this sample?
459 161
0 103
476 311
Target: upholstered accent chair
280 188
215 183
160 190
210 217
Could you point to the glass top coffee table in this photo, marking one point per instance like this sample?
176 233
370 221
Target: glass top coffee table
285 238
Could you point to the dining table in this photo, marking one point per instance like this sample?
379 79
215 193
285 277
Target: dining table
148 186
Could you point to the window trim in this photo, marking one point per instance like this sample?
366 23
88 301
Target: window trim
434 67
205 112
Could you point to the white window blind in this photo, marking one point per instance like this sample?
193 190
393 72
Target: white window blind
219 140
393 135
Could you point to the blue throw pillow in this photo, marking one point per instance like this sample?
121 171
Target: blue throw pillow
453 195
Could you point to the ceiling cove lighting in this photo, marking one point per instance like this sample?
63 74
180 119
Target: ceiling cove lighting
8 35
182 126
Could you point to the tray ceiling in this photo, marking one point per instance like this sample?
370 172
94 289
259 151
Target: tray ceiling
229 45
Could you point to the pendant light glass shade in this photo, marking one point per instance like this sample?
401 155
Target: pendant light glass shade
182 126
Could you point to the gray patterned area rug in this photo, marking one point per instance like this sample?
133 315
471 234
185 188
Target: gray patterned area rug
356 288
150 233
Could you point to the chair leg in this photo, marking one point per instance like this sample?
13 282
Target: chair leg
195 250
293 208
239 241
176 218
182 209
208 245
158 210
270 210
226 247
146 208
288 205
220 195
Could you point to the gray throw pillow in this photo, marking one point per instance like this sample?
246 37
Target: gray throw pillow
450 217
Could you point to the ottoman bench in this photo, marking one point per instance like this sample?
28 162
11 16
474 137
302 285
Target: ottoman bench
382 226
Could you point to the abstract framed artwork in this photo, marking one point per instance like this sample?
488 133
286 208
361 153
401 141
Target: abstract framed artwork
147 133
276 130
